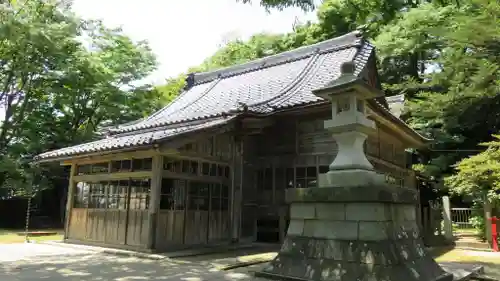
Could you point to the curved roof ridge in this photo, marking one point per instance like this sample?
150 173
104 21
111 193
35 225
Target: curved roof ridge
168 105
343 41
135 125
292 84
360 56
290 94
350 40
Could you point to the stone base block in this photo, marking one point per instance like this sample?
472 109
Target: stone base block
305 258
364 233
354 177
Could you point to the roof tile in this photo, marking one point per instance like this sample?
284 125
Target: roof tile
264 85
278 81
133 140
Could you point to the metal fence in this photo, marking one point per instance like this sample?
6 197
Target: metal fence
461 218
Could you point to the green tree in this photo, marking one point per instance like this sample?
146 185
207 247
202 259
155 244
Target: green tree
444 55
479 175
462 109
61 78
306 5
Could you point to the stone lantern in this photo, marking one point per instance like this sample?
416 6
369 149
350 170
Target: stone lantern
350 128
354 226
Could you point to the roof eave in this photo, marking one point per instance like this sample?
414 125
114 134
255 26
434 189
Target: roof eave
419 141
152 144
357 84
91 154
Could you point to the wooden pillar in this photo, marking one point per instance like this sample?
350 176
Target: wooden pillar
282 222
235 195
154 200
419 211
241 174
69 201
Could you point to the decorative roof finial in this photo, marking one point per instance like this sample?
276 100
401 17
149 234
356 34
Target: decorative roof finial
189 81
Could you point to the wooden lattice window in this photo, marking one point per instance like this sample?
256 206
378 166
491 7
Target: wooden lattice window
81 195
139 194
199 196
96 168
144 164
306 177
121 166
173 194
97 195
118 194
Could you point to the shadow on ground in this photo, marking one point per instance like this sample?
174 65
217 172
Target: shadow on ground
233 254
101 267
107 267
439 251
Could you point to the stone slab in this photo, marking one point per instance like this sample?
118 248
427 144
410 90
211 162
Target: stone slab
311 258
462 271
383 193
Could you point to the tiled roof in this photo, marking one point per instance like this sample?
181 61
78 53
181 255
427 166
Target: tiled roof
143 138
264 85
261 86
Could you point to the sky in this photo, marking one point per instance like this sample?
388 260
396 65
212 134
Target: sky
182 33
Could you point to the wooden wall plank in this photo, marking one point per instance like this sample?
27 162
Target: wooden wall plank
170 229
77 228
137 234
196 231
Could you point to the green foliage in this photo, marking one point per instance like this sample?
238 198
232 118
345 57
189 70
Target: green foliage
306 5
477 218
61 78
479 175
443 54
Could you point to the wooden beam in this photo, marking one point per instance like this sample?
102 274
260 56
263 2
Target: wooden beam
112 176
387 164
410 141
168 174
90 159
175 154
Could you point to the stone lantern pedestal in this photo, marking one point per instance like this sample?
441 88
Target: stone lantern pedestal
354 233
354 226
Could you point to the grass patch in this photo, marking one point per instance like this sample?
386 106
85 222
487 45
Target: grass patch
12 236
490 260
458 255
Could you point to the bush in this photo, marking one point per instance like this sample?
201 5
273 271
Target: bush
477 219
